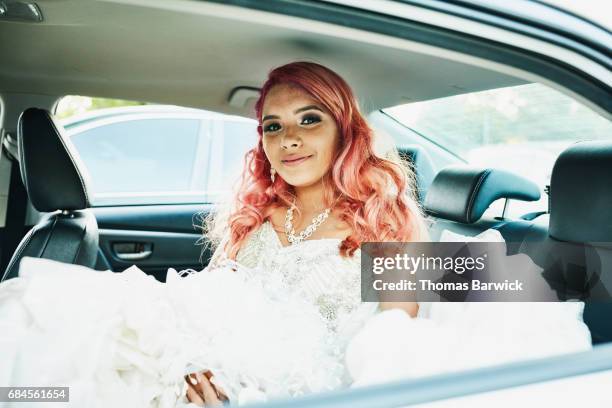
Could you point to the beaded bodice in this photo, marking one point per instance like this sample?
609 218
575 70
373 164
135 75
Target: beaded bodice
316 271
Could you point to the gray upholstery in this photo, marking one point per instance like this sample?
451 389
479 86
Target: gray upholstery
56 185
581 213
463 193
574 250
581 193
49 164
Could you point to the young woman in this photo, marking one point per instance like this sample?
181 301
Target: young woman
312 191
278 313
273 314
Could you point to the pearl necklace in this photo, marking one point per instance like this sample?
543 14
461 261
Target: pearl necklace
290 231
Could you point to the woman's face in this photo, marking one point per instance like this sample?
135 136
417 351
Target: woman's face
299 136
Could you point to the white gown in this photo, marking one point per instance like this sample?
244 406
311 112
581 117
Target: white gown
280 322
273 324
447 337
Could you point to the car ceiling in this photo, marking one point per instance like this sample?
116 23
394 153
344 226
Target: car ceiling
194 53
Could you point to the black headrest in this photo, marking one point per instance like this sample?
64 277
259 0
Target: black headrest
422 165
48 165
462 193
581 193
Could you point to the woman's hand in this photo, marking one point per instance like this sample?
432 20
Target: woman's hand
202 392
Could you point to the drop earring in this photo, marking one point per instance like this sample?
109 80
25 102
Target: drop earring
272 174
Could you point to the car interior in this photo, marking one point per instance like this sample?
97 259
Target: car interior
213 56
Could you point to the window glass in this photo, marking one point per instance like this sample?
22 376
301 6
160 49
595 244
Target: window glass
155 154
522 129
231 141
152 155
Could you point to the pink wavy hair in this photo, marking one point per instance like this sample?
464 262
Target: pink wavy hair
371 194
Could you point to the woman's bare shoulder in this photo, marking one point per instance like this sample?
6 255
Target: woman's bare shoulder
277 218
338 228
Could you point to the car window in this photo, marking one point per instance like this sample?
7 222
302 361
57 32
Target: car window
230 143
522 129
143 155
160 155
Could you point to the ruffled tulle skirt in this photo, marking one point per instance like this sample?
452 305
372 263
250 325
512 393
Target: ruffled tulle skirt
125 339
462 336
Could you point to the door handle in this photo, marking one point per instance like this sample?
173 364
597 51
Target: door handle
132 251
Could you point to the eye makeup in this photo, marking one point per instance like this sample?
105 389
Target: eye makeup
271 127
307 120
311 119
